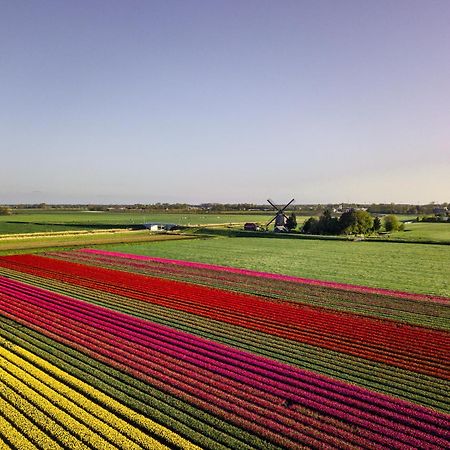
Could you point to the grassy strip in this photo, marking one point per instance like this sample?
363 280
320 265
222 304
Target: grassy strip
176 414
422 389
412 268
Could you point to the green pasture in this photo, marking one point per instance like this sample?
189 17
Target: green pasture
425 231
401 266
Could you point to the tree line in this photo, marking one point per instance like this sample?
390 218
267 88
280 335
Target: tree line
352 221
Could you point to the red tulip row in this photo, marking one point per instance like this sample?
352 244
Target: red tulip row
383 341
232 384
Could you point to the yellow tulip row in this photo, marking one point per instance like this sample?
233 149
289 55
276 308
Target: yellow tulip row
55 430
17 439
84 405
23 424
53 406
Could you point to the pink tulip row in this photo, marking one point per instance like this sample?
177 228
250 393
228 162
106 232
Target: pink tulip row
93 322
274 276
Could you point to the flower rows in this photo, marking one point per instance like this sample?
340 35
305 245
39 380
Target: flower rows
195 424
372 375
263 396
383 341
105 350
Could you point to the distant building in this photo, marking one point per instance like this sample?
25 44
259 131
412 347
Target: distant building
250 226
156 226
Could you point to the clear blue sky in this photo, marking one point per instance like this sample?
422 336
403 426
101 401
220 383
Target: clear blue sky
198 101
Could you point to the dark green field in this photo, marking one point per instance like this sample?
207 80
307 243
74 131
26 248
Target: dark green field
408 267
42 221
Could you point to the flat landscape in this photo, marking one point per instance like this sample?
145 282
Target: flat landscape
214 338
103 349
225 225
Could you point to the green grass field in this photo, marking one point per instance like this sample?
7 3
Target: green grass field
406 267
423 231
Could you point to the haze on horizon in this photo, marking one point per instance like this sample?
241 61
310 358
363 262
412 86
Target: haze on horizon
224 101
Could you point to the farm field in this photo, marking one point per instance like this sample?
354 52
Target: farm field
12 243
26 222
409 267
58 221
103 350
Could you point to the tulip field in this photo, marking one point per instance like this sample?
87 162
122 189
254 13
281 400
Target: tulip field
107 350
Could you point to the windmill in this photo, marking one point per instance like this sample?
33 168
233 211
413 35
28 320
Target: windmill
280 218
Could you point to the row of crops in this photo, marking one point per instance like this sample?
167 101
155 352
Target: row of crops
103 350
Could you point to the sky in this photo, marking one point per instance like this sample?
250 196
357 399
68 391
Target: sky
224 101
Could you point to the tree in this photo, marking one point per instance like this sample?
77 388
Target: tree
5 211
364 222
391 223
355 222
310 226
291 222
328 224
347 222
376 224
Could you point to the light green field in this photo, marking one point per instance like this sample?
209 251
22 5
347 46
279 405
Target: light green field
407 267
425 231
